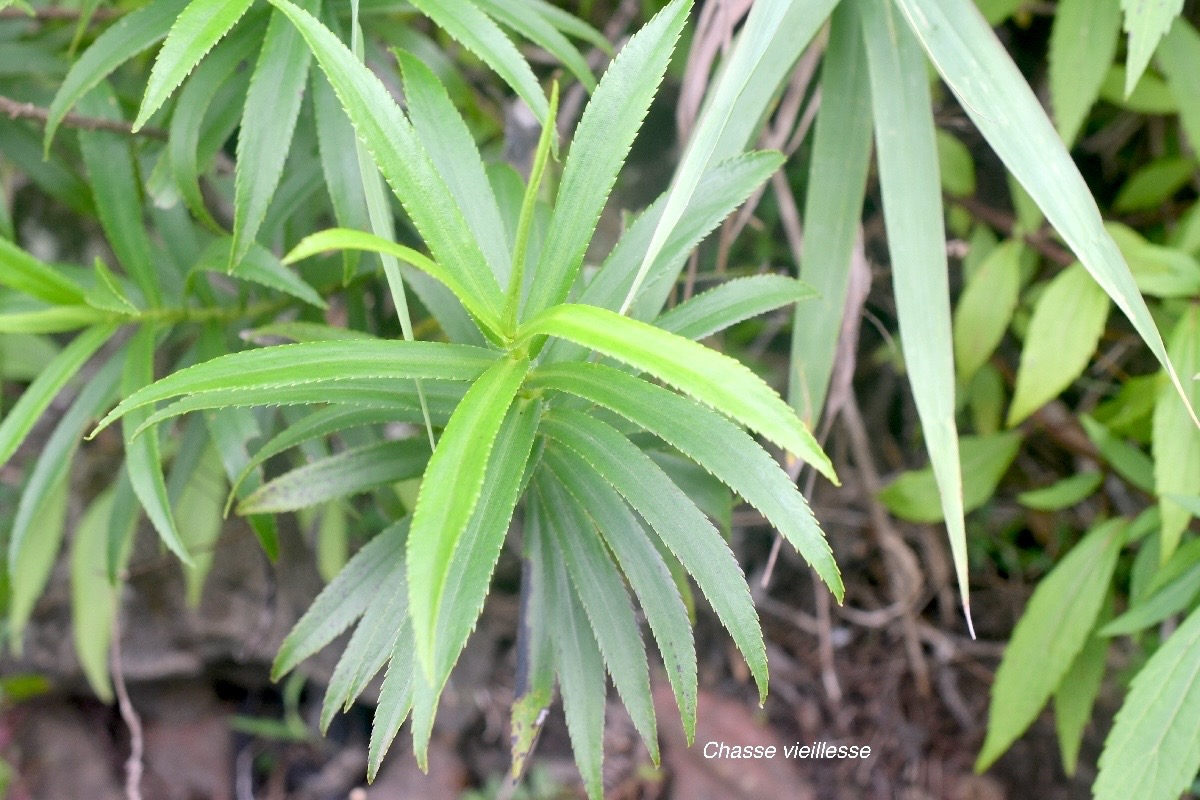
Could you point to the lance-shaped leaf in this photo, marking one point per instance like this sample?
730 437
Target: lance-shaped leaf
350 472
21 271
1076 695
531 22
401 158
395 699
270 368
710 440
1176 441
1083 43
716 380
602 140
258 265
1146 22
994 94
131 34
674 517
449 493
1054 628
732 302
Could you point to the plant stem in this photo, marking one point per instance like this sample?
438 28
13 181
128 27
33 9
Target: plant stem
15 109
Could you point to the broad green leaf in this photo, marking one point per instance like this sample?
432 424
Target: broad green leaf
837 182
1083 44
1154 184
451 146
1146 22
908 180
395 699
1075 696
130 35
1159 271
674 517
259 265
350 472
403 161
1176 441
710 440
531 22
142 456
1050 634
956 167
344 600
1153 751
601 142
114 181
200 26
476 31
606 603
21 418
730 303
298 364
268 122
985 308
1178 54
201 504
450 490
994 94
716 380
985 459
644 568
1063 333
1062 494
343 239
54 320
1129 461
21 271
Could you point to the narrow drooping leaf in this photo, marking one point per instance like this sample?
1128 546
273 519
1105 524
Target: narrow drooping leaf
1176 441
674 517
21 271
24 414
1067 322
605 601
30 570
837 183
709 439
350 472
344 600
339 163
530 22
602 140
714 379
732 302
93 597
1049 635
133 33
450 490
201 504
1075 696
1083 43
1153 750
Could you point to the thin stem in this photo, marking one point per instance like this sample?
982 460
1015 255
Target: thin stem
134 765
15 109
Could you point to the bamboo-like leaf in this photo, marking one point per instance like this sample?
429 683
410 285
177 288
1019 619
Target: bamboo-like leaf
602 140
1153 751
401 158
1177 56
1075 696
644 568
1174 586
568 23
1062 494
1146 22
449 493
732 302
1176 442
985 308
339 162
716 380
1067 322
1129 461
1083 43
21 418
709 439
528 20
21 271
268 122
298 364
1049 635
837 182
674 517
344 600
993 93
259 265
133 33
605 602
476 31
350 472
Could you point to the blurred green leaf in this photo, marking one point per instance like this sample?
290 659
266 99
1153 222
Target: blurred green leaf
914 495
1083 44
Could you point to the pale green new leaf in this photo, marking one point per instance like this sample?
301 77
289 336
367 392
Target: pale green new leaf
30 570
1075 696
350 472
1083 44
714 379
1153 751
914 495
201 505
1178 54
449 493
1062 494
1050 634
133 33
1176 441
93 597
985 308
21 271
1001 104
602 140
1063 333
1146 22
674 517
712 441
732 302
